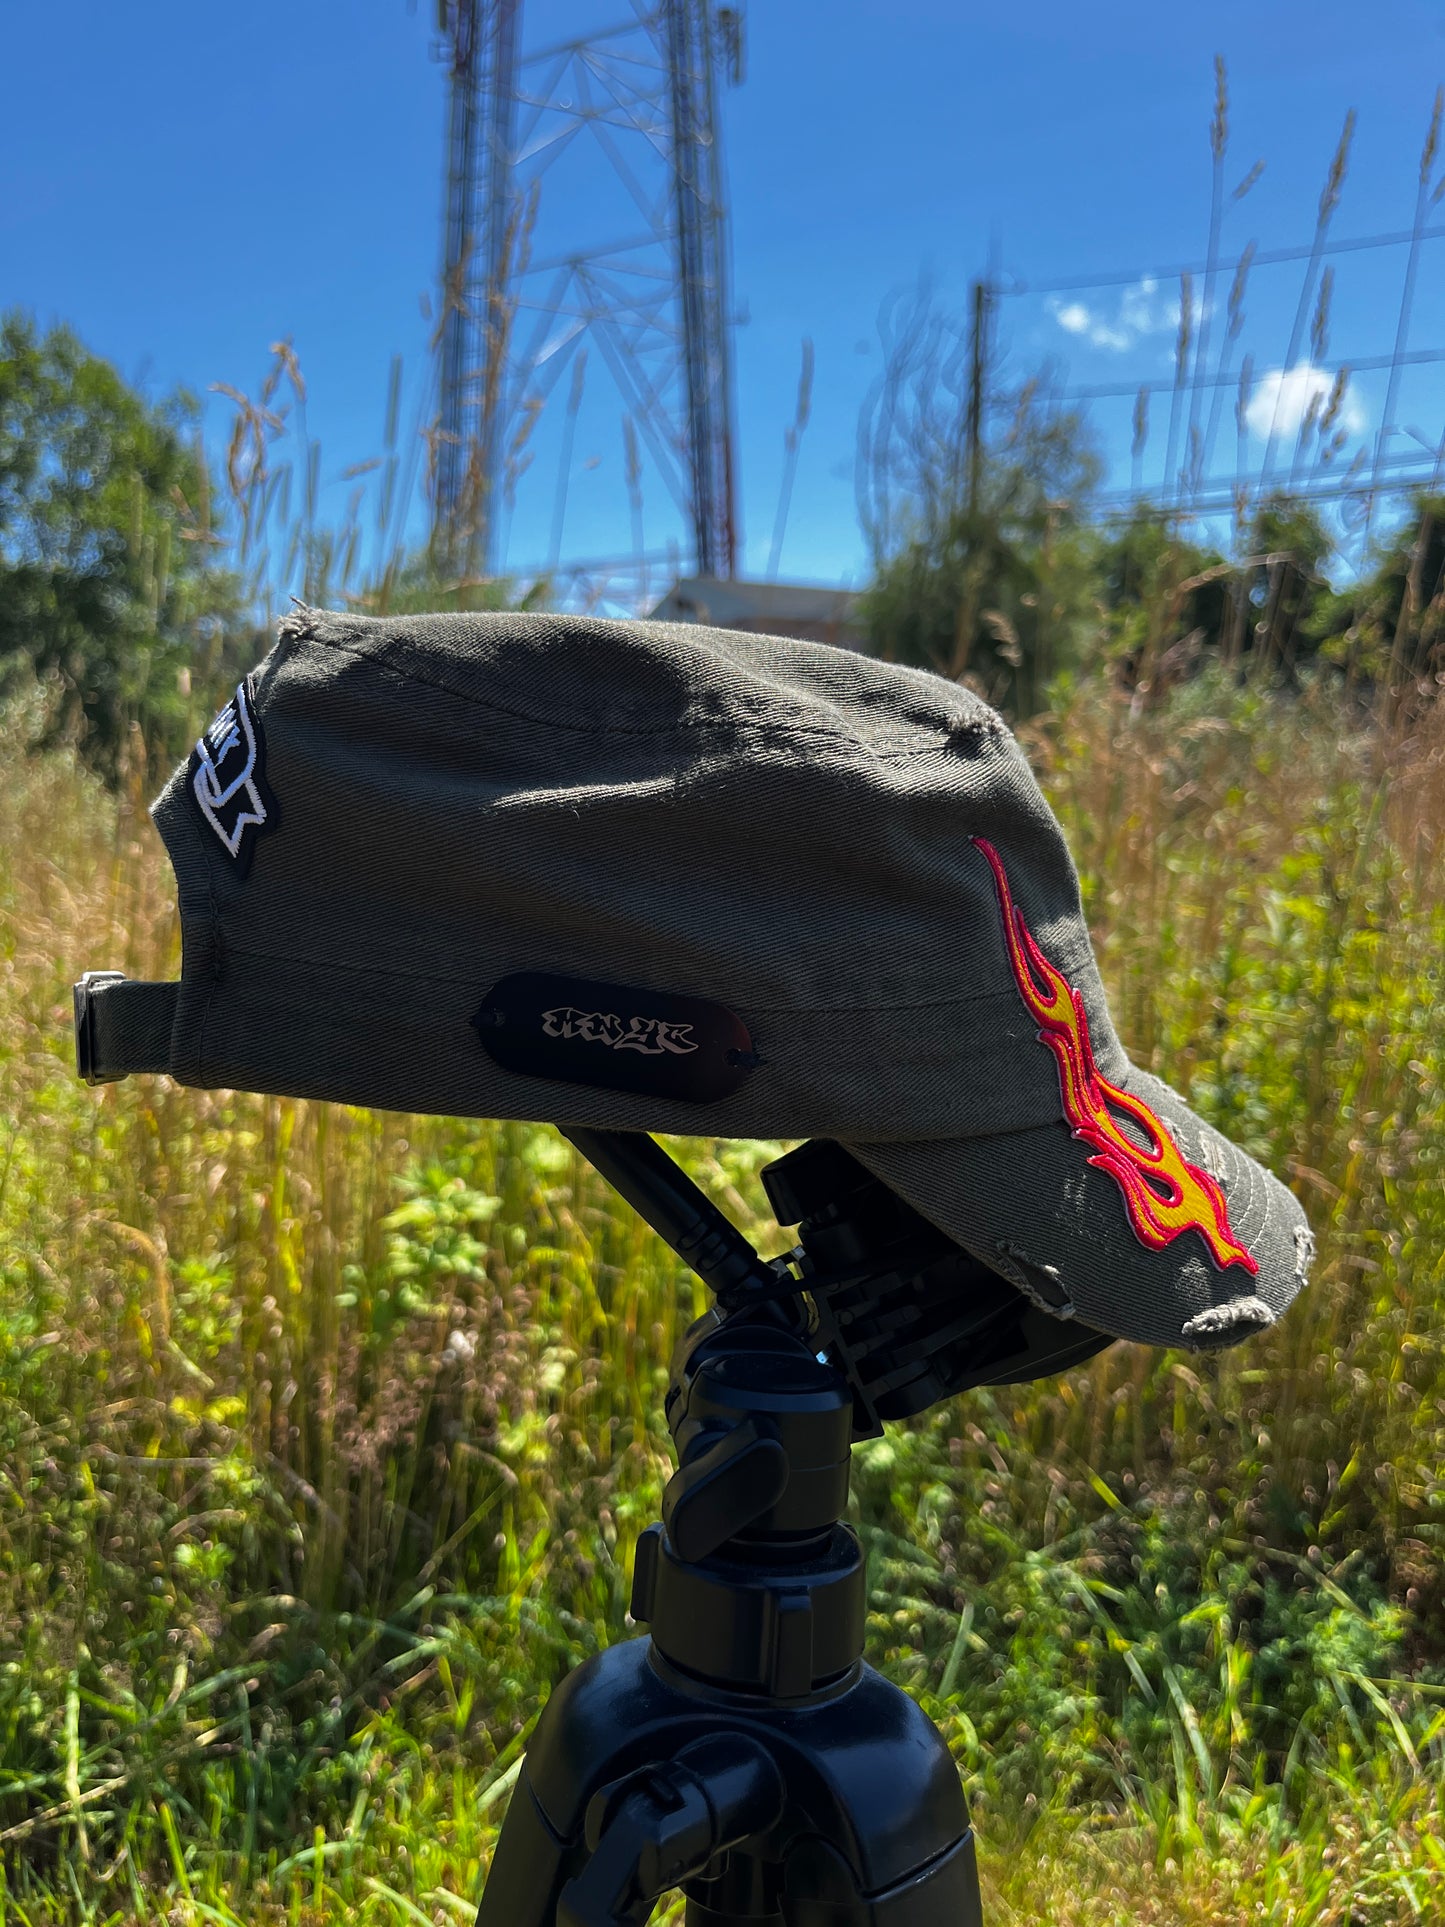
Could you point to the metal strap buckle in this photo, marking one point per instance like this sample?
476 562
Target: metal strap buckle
93 980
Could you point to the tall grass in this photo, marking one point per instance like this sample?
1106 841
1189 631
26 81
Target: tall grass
326 1436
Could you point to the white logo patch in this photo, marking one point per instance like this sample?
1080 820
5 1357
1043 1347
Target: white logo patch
228 779
649 1035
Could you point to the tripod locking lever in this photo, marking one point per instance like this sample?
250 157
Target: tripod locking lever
721 1491
659 1826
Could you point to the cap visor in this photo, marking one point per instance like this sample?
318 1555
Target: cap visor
1031 1205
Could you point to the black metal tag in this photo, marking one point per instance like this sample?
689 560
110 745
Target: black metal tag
647 1041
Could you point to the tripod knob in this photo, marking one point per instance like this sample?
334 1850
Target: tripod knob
792 1415
724 1490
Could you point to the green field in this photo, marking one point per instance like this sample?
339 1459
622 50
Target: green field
325 1437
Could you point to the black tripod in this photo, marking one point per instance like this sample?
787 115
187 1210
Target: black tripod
745 1752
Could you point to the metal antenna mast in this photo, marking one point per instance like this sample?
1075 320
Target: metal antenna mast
586 208
701 279
479 43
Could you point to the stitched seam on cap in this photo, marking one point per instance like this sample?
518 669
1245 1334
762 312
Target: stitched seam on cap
214 934
674 726
216 960
372 968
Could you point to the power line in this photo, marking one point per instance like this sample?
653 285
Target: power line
1260 258
1359 365
1184 489
1203 506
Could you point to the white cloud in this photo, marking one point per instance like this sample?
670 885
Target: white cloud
1283 397
1143 313
1140 311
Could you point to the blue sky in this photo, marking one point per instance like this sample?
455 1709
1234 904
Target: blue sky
186 185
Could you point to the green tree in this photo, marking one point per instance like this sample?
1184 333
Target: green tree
1164 600
1284 607
109 584
1171 605
1389 627
993 581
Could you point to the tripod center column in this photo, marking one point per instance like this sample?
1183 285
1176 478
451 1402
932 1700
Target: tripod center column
752 1583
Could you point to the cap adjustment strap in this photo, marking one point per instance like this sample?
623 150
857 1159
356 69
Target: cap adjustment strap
122 1026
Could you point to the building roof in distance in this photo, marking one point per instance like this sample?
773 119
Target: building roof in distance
808 611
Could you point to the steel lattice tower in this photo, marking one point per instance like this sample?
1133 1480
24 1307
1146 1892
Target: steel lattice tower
652 302
480 44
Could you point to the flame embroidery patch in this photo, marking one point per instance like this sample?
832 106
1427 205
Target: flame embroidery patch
1164 1194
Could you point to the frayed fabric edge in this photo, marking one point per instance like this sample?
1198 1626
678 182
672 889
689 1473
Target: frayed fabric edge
1024 1274
1241 1315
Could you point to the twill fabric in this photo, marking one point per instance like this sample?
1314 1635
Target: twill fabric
394 815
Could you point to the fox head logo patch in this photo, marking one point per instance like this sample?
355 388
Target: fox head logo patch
227 779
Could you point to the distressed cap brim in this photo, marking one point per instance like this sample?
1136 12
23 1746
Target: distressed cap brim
1031 1205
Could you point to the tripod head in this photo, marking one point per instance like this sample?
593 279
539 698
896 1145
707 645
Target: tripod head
905 1315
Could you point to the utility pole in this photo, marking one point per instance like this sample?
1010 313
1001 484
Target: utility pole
980 318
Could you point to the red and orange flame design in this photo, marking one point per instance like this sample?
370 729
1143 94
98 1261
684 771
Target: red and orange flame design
1164 1194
